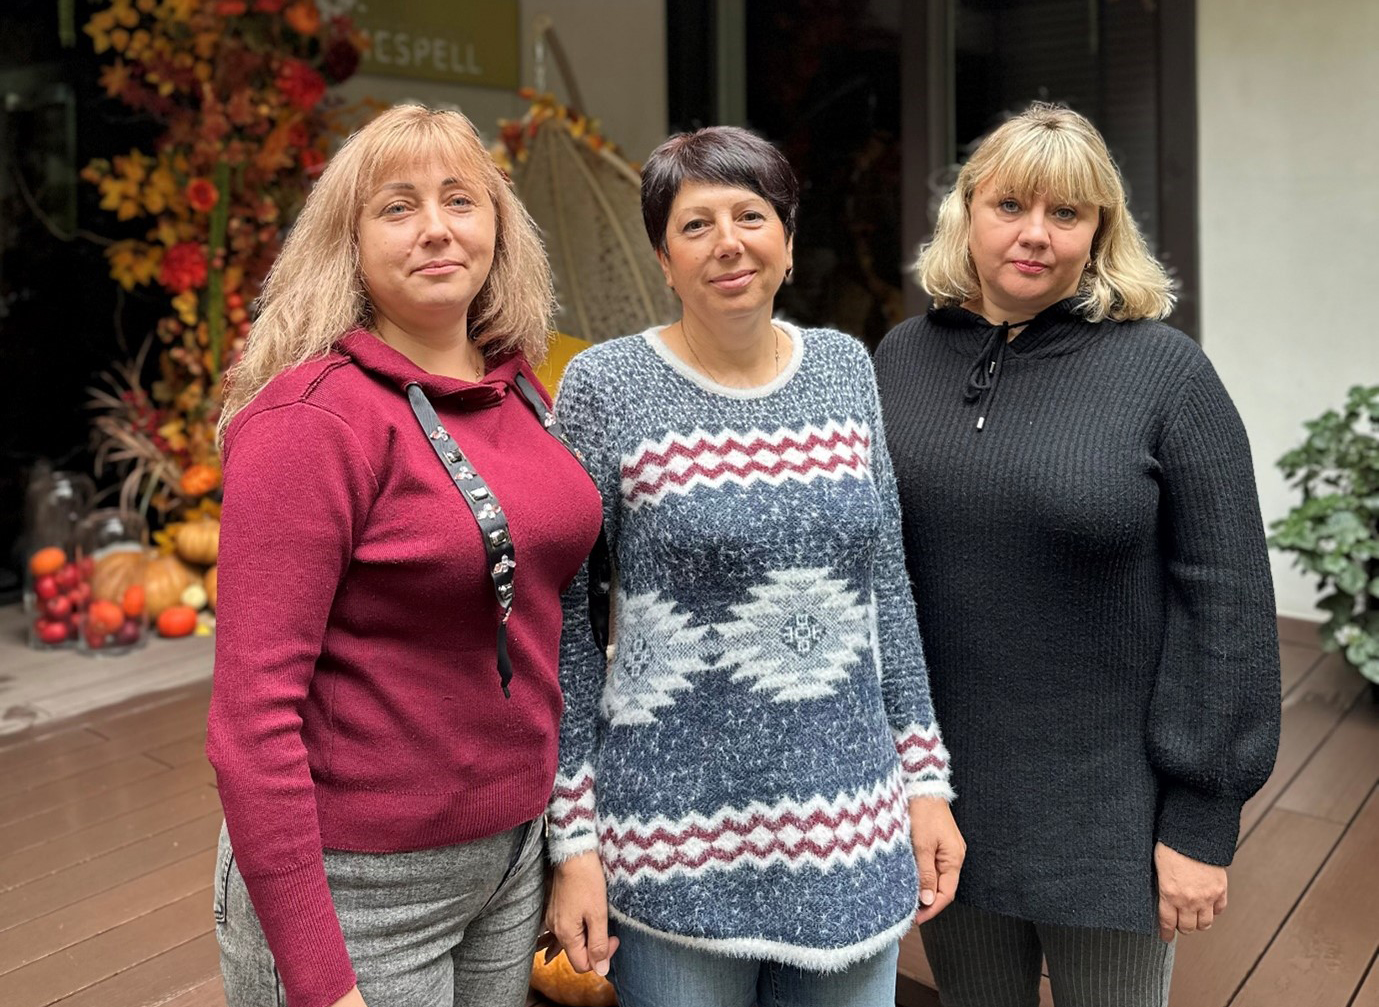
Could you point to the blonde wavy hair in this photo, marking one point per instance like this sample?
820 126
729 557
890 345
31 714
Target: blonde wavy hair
1051 151
314 292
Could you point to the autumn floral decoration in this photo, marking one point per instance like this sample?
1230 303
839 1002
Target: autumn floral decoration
240 87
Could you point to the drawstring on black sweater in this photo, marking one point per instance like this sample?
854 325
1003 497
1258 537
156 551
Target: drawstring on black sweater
985 376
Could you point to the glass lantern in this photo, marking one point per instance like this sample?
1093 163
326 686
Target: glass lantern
112 551
54 593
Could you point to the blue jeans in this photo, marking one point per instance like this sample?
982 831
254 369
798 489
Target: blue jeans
650 972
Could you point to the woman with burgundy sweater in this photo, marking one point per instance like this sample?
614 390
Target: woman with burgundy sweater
398 526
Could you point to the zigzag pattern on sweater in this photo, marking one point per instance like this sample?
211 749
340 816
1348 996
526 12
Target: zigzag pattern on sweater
924 760
571 809
819 833
680 463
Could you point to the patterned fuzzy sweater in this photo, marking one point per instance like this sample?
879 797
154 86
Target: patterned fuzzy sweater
743 758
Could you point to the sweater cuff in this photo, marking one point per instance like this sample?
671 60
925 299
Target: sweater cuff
570 815
1199 825
923 761
299 923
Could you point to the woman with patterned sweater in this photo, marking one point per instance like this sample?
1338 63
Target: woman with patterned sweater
1091 580
752 791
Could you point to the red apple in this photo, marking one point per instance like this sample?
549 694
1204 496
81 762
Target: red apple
58 608
129 633
51 632
67 578
46 587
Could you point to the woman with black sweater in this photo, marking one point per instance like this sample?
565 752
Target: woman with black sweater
1084 539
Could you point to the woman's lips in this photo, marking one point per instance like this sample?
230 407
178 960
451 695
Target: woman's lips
734 281
438 268
1030 268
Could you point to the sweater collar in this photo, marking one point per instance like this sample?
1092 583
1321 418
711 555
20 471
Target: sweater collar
378 358
1058 329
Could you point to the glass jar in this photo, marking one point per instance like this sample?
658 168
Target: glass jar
55 590
112 552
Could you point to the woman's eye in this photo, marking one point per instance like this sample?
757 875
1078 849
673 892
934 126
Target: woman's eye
695 225
1065 213
460 200
754 216
393 208
1008 206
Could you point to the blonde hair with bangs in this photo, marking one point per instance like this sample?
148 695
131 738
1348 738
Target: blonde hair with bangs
1054 152
314 292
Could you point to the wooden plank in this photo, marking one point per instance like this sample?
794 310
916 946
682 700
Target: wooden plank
1322 952
209 994
1310 712
1295 661
180 753
89 758
15 756
79 787
72 924
1271 871
1368 994
157 981
86 963
1341 773
104 807
1302 631
45 895
177 707
20 868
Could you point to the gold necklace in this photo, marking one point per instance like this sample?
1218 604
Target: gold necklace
684 333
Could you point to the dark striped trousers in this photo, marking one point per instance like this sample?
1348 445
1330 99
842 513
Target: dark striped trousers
982 959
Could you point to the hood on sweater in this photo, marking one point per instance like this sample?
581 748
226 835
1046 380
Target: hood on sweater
1058 329
377 357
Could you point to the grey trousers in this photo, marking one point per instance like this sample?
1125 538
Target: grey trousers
449 927
982 959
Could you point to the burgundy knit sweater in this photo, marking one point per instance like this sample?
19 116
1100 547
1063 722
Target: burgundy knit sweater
356 701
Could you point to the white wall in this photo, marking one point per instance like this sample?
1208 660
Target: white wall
617 49
1289 171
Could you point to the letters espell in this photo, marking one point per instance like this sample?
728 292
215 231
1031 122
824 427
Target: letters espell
477 42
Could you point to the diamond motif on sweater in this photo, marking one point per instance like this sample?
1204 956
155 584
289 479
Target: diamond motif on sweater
655 653
798 637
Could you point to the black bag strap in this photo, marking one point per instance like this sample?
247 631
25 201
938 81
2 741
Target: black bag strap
493 524
477 495
600 561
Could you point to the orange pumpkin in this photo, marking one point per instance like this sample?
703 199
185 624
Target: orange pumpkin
210 580
165 578
559 981
198 480
199 541
116 573
179 620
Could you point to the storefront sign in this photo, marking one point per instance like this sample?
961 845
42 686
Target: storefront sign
474 42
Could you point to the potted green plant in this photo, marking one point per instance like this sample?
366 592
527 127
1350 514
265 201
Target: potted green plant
1334 532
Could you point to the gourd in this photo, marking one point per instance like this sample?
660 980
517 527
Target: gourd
199 541
165 578
558 981
116 573
179 620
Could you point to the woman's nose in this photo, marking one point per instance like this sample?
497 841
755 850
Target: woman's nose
433 223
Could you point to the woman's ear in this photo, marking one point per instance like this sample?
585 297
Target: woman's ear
665 267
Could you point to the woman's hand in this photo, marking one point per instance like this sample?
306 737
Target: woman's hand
939 852
1191 894
577 913
351 999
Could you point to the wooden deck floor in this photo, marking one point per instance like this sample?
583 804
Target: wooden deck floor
108 821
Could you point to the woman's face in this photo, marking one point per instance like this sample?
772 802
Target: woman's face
426 241
1029 253
726 251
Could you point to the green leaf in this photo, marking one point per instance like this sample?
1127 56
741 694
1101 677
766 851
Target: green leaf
1351 578
1370 669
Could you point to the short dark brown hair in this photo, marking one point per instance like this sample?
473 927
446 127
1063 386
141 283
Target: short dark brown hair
719 155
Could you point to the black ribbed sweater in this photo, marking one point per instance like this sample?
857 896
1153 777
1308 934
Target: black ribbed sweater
1095 600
